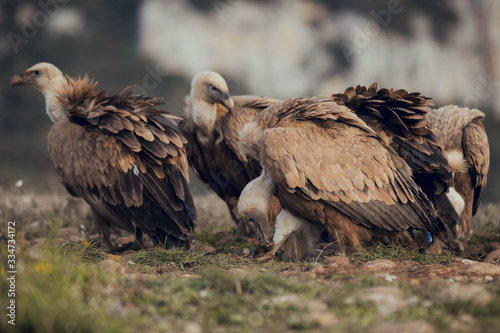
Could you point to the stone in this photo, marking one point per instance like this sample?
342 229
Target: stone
193 327
203 248
483 268
386 276
337 260
493 257
317 268
379 265
325 319
464 293
65 233
238 273
492 247
125 240
387 299
75 239
110 265
416 326
34 226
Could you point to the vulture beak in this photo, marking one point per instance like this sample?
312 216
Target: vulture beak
228 102
17 80
260 228
262 236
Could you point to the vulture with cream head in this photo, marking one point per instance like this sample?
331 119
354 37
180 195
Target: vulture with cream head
121 154
464 138
212 124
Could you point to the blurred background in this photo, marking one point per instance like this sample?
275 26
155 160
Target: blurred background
448 50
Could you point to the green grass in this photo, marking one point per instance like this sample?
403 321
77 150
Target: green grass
398 252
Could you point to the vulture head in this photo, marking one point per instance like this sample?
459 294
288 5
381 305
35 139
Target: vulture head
210 99
43 76
253 205
211 88
50 81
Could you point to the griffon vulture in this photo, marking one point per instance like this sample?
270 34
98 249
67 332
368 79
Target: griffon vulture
398 118
212 124
114 153
330 171
462 133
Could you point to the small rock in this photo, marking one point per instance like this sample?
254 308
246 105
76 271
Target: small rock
492 247
65 233
34 226
193 327
464 293
414 282
386 276
325 319
488 278
387 299
110 265
203 248
417 326
316 306
462 323
245 251
125 240
379 265
484 268
238 273
313 306
466 261
75 239
493 256
338 260
317 268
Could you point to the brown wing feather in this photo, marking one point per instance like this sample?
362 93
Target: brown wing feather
398 117
344 165
477 153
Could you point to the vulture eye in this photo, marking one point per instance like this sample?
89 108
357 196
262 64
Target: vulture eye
213 88
36 73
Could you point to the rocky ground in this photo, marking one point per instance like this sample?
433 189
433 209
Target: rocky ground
67 282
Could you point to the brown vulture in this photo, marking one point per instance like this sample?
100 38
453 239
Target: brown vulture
121 154
462 133
398 118
212 124
331 171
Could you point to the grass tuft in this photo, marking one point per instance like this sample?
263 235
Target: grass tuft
399 252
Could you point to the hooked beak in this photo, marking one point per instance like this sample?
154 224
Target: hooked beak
17 80
228 102
261 236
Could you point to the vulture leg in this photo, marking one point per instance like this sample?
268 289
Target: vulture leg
103 228
136 245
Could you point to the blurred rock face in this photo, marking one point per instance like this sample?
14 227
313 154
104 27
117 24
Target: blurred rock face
284 49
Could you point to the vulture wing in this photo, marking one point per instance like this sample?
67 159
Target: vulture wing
398 117
324 153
